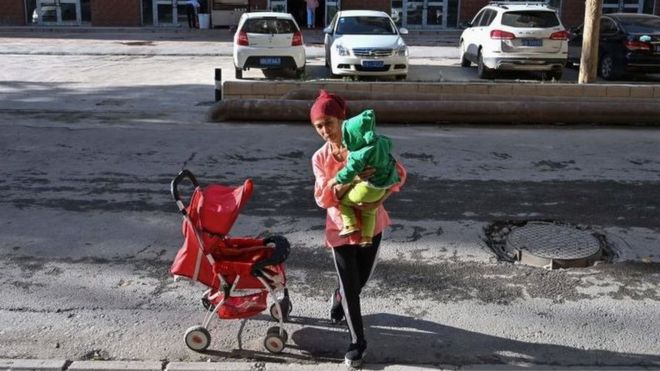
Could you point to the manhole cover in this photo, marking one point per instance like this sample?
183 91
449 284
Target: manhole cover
551 245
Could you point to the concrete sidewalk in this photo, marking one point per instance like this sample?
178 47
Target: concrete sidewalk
313 36
96 41
60 365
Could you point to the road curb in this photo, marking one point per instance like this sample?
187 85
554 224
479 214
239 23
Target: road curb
33 364
64 365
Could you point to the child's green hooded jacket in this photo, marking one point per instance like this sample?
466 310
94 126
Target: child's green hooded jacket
367 149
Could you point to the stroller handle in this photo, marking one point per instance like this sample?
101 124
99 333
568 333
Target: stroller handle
174 187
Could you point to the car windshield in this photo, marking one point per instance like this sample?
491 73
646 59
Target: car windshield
650 25
530 19
365 26
269 26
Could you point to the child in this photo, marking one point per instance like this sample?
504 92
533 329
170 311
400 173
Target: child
366 149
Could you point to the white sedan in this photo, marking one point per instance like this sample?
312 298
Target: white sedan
365 43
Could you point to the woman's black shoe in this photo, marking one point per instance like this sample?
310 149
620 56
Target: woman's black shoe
336 309
355 354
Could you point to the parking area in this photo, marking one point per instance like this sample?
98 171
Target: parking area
434 56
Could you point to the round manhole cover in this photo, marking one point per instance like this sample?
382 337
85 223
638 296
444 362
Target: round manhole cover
552 241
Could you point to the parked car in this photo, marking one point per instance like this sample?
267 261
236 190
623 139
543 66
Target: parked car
518 37
628 43
365 43
268 41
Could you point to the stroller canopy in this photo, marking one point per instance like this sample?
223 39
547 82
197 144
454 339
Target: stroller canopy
215 208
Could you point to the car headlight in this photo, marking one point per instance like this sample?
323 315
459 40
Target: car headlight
342 51
401 51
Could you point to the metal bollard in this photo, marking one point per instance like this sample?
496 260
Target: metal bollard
218 84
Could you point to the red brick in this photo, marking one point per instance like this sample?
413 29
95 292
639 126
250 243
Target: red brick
117 13
12 12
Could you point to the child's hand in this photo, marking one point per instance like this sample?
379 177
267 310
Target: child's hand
365 174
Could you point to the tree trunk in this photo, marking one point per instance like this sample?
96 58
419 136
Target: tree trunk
590 36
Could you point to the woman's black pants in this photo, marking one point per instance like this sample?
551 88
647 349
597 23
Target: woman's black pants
354 266
190 10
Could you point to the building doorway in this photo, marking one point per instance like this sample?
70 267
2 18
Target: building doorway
168 13
330 9
57 13
623 6
417 14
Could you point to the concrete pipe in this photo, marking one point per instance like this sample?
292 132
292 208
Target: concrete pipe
430 112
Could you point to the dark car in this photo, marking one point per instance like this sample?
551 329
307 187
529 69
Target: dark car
628 43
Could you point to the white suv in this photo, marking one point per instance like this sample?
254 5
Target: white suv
268 41
510 36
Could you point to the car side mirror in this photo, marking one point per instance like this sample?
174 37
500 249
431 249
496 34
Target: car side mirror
327 30
465 24
403 31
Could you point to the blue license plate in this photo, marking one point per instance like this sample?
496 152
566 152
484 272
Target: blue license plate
532 42
373 64
270 61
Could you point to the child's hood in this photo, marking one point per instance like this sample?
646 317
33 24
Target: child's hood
359 131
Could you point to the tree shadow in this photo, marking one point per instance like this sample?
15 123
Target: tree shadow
406 340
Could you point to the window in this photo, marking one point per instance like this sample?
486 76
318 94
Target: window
488 18
641 25
530 19
477 18
269 26
607 26
365 26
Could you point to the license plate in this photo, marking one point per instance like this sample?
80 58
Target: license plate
271 61
532 42
373 64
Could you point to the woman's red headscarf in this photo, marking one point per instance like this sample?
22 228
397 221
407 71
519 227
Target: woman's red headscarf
328 104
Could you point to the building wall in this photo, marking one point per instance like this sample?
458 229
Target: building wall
117 13
384 5
258 5
572 13
469 8
12 13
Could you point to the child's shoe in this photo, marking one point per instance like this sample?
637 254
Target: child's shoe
366 241
348 230
355 354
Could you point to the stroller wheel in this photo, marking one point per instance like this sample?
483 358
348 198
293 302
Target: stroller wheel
286 306
273 342
275 330
197 338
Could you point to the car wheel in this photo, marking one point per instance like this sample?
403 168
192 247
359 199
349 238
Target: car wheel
482 70
609 70
300 72
239 73
555 74
464 61
401 77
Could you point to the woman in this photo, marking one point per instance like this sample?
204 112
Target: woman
354 264
311 12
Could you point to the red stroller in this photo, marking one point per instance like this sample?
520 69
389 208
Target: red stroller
239 272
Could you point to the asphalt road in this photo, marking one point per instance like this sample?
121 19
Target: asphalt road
89 144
